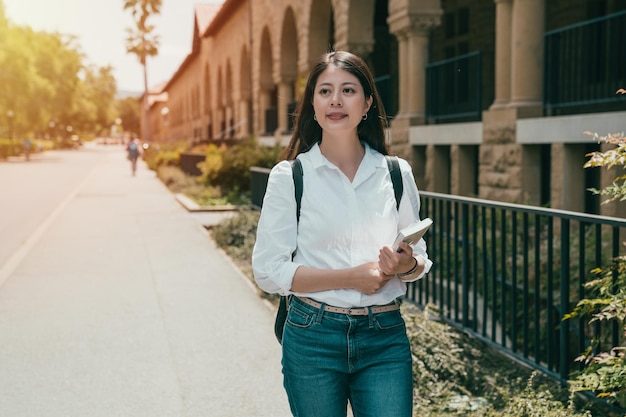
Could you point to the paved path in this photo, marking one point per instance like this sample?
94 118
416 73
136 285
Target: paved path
121 305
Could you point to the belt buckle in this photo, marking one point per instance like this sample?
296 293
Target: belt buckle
355 311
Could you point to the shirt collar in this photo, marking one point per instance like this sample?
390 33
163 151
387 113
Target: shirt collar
371 160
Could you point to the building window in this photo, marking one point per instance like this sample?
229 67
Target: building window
462 21
457 23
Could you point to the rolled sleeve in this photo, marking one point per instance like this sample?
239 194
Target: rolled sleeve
420 249
276 237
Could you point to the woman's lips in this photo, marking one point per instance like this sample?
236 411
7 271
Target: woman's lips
336 116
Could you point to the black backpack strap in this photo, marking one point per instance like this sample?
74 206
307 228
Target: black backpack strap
396 178
296 170
283 306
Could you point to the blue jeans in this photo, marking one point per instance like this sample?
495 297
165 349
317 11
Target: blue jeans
330 359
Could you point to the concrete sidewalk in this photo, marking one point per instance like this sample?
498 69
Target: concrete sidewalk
125 307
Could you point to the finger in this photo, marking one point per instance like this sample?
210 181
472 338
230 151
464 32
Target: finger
385 264
405 249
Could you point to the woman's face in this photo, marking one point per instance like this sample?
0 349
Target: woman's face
338 100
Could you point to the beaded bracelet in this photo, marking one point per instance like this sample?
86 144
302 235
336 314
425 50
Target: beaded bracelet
410 271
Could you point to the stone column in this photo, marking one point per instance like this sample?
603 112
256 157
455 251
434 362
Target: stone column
413 56
354 29
527 56
411 26
403 73
221 120
243 122
438 168
417 59
503 54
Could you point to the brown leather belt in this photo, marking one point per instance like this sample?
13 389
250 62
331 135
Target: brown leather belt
354 311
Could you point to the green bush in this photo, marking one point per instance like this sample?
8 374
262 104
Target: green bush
212 164
229 167
605 370
537 400
15 147
9 147
225 177
179 182
458 375
236 236
167 154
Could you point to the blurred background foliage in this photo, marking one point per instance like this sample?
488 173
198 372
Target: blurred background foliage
49 90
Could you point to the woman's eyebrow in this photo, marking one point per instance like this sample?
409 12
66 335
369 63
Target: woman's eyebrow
330 84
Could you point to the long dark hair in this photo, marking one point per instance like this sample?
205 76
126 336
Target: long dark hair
307 132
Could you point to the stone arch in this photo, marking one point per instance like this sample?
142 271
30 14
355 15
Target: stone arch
267 89
228 93
288 71
220 89
207 89
289 46
220 103
266 60
208 107
244 73
358 37
228 101
245 113
321 30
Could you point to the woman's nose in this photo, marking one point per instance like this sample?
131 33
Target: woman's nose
335 100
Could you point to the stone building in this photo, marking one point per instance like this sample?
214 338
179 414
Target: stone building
486 98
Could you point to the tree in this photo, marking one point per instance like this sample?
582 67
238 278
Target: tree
17 78
129 112
143 43
101 88
95 101
47 87
57 64
3 18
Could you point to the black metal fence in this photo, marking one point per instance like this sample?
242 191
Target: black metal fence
585 65
454 89
509 273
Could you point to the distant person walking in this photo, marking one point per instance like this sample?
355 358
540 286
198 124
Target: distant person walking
27 147
133 151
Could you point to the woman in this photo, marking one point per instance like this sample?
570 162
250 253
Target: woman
344 339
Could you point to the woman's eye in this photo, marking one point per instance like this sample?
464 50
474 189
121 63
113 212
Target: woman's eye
348 90
324 91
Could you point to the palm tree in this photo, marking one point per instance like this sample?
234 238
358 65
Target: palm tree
143 43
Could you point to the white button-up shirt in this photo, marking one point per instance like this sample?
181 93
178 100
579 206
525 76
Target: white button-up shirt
342 224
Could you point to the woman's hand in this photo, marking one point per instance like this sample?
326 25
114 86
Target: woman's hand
392 263
368 278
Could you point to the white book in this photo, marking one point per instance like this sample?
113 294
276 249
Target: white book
412 233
